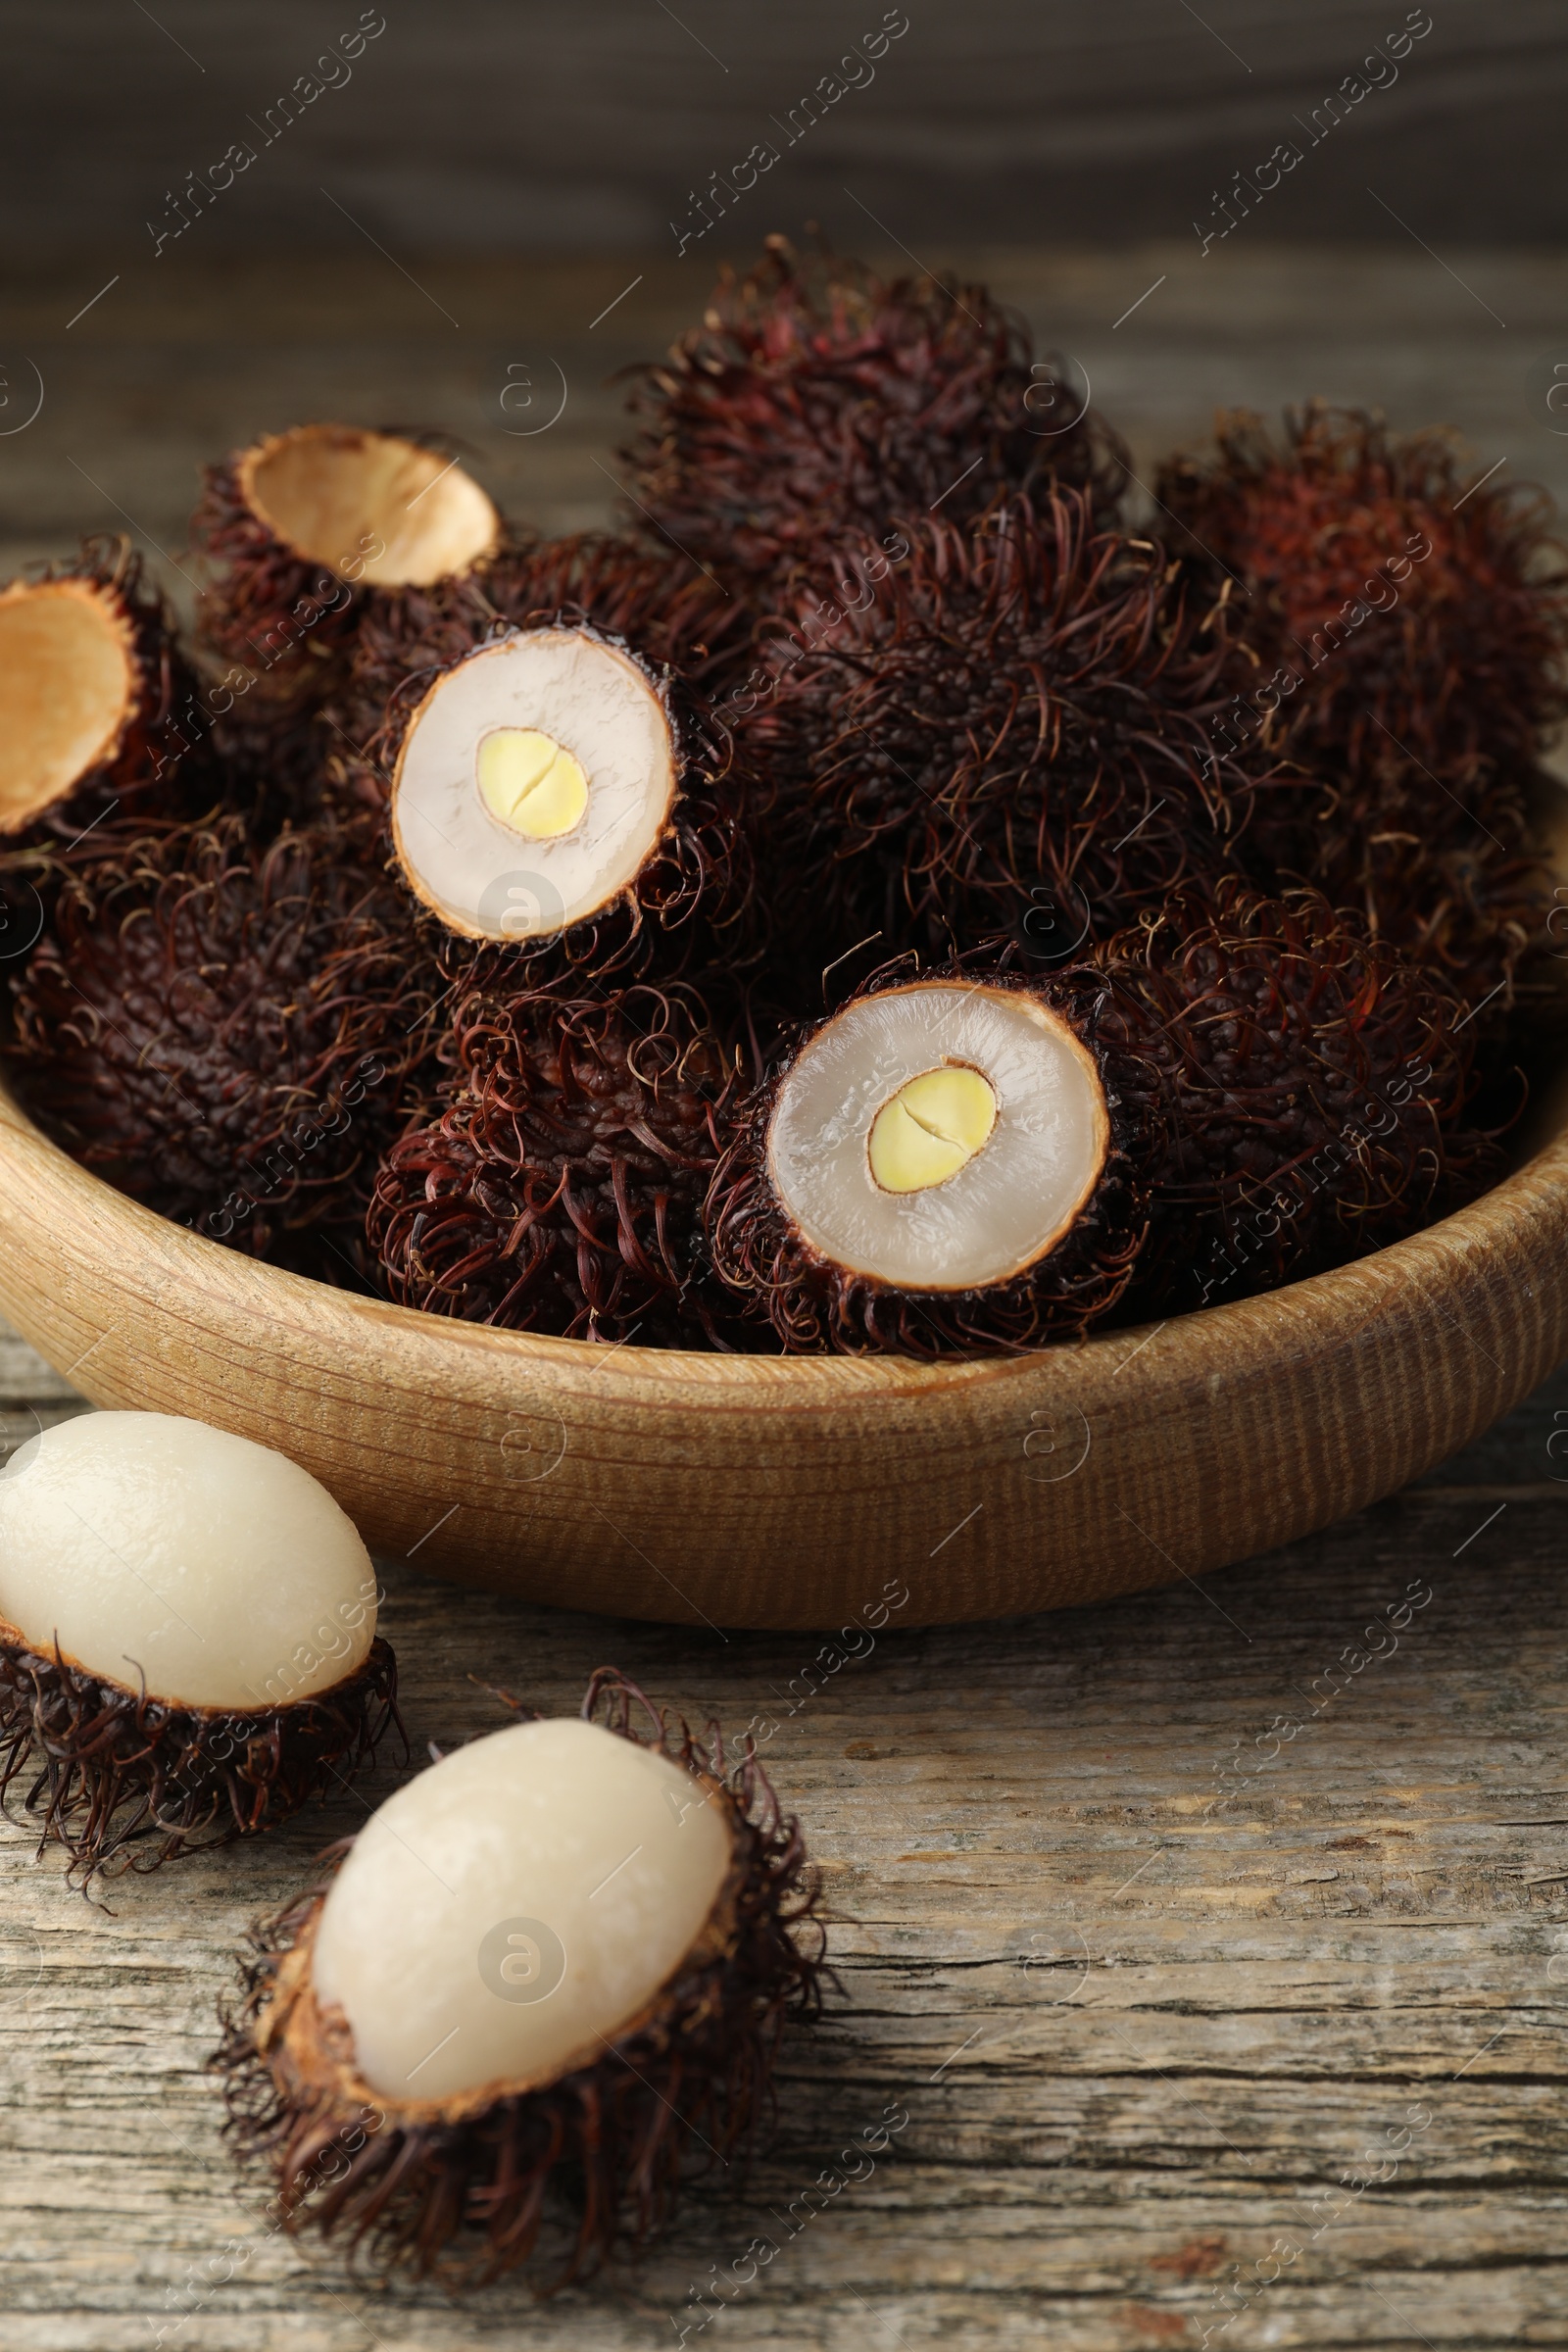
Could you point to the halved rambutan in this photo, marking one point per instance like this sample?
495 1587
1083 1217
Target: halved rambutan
90 679
188 1639
1012 737
561 1189
548 1975
304 529
818 404
1232 1094
230 1034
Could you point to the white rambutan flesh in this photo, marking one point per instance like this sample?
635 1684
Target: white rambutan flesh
534 782
159 1552
502 1917
939 1136
68 684
369 506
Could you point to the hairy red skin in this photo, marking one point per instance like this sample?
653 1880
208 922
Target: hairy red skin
228 1033
458 2189
560 1190
1411 626
1285 1093
1012 736
818 404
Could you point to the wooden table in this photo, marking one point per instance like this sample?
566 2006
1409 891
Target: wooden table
1152 1996
1145 2012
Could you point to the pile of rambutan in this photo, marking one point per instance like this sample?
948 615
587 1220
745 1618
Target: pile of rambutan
889 894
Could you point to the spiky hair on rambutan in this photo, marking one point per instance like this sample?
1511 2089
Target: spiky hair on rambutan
1411 609
126 1781
303 531
1233 1093
229 1034
91 683
538 2154
560 1188
1316 1084
1012 736
818 404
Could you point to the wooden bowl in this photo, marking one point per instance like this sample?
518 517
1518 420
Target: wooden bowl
752 1492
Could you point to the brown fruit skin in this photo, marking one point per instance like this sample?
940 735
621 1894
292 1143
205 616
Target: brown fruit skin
818 404
229 1034
153 771
126 1781
761 1256
1411 628
1316 1085
456 2188
1012 738
560 1190
1286 1093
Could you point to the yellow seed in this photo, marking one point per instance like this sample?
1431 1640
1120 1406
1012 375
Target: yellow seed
930 1129
530 782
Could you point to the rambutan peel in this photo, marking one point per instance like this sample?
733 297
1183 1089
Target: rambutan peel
461 2186
124 1781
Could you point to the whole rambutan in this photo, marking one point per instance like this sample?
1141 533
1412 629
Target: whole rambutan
91 683
229 1034
1232 1094
819 405
561 1189
304 531
1411 628
1012 737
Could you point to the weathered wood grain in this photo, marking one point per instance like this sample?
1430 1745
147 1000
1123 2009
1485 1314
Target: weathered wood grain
1143 2017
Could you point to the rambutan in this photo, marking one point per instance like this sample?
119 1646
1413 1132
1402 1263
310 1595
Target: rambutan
561 1189
1012 737
305 531
819 405
90 681
460 2085
230 1034
188 1639
1411 627
1232 1094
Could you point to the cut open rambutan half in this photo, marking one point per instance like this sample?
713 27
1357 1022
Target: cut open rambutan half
528 2066
297 529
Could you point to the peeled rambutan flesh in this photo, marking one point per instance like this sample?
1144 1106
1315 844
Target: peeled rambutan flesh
1233 1093
229 1034
188 1639
1012 737
301 530
545 1972
560 1188
818 404
90 678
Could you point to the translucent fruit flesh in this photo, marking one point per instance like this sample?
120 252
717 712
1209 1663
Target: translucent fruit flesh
530 782
930 1129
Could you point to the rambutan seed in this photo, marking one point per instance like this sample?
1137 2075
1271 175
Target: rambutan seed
545 1972
187 1638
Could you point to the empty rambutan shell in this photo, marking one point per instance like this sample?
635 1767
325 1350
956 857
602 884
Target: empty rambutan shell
818 404
1014 738
560 1188
944 1165
187 1638
546 1970
302 527
89 678
230 1034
